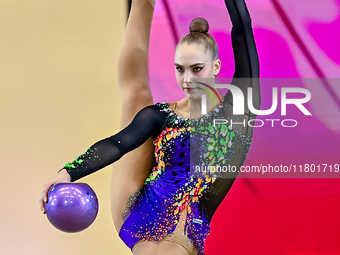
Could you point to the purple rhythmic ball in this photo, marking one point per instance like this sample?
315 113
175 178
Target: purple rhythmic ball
71 207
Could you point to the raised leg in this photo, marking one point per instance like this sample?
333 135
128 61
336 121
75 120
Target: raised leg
130 171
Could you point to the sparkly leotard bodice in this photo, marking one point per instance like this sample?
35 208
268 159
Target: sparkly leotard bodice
175 184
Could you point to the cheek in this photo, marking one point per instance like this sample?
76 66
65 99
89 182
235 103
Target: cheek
178 78
208 73
204 73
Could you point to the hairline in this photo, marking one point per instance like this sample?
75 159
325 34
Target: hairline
201 42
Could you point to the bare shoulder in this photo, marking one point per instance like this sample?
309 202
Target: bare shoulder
172 105
182 104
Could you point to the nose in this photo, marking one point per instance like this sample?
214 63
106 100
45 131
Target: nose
187 77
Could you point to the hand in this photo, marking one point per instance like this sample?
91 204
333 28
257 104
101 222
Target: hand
62 176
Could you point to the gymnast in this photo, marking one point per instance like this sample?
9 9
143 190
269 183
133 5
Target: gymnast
169 209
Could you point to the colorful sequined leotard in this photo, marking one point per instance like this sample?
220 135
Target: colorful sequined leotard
184 150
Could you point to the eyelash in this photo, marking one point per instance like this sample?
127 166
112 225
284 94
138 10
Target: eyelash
180 69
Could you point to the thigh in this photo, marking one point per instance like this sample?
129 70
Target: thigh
128 176
160 248
175 243
130 172
132 169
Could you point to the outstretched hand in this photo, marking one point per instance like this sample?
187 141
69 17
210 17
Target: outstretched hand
61 177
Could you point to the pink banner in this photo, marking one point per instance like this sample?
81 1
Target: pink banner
295 39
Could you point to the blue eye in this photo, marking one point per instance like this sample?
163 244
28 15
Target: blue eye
197 69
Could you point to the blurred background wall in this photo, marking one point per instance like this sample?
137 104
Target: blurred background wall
58 95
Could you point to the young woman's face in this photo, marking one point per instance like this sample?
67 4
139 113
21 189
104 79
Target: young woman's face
191 61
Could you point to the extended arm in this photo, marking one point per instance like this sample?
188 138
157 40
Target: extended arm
245 54
147 123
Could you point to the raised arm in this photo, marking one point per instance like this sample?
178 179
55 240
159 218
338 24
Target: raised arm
147 123
246 75
245 55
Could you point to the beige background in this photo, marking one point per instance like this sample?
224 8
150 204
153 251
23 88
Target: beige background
58 95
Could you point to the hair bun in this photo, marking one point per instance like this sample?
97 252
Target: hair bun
199 25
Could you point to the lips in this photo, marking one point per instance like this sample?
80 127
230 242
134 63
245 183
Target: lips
189 89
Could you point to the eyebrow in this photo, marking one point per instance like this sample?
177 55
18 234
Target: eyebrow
191 65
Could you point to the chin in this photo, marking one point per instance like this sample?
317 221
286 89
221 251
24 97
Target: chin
193 96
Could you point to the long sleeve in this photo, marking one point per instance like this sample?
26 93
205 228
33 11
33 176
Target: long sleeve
245 55
147 123
246 75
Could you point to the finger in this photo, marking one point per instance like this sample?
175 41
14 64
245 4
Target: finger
45 192
42 206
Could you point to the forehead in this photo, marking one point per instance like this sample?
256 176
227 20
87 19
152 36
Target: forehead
187 54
